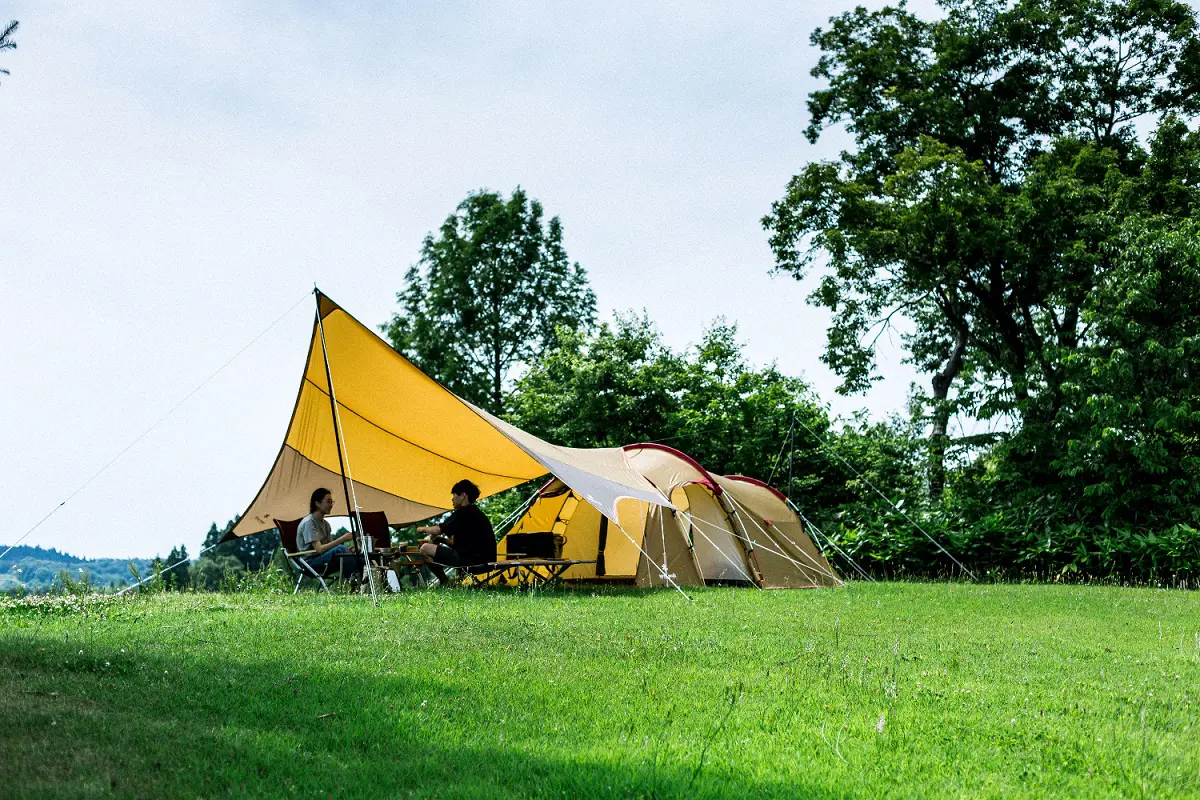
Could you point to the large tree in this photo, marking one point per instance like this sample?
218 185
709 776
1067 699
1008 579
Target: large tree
991 146
487 296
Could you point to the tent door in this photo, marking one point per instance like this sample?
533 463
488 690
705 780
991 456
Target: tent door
600 548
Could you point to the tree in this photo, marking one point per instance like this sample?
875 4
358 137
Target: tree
178 569
991 148
6 42
253 552
622 385
609 388
488 295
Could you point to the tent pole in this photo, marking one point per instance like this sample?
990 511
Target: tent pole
735 523
351 507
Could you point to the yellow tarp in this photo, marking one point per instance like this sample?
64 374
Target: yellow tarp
406 440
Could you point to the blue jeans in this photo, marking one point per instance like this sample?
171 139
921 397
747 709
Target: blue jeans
317 562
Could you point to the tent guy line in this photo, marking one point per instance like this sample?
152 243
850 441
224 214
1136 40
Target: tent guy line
888 500
692 521
830 542
159 421
791 440
815 564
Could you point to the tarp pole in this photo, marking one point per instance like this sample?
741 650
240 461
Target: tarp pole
356 527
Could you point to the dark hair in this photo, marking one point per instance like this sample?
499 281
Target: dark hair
317 497
467 488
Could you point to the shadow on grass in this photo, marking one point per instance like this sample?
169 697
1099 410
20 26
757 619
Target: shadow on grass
199 722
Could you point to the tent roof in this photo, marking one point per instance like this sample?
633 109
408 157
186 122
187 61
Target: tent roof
668 468
406 439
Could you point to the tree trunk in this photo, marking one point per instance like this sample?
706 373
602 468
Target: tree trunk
941 416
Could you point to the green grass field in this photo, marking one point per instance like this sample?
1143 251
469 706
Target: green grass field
876 690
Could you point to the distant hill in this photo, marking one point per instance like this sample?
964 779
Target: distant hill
38 567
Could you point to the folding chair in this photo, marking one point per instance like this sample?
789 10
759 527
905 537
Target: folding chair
294 556
375 525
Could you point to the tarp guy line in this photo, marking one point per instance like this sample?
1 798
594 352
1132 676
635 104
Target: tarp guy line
146 432
165 570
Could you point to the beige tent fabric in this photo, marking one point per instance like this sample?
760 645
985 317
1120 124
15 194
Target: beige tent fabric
665 467
785 553
718 552
601 475
407 439
666 545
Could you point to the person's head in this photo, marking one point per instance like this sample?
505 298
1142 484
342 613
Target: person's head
463 494
321 500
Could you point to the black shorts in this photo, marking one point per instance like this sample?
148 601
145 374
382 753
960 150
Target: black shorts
446 556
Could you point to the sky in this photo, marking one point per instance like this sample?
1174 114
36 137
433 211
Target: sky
178 176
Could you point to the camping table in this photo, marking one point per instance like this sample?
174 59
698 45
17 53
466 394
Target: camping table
524 571
394 558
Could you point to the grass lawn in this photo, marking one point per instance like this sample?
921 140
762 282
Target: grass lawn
875 690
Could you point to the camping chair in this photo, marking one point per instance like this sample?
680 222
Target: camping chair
295 557
375 525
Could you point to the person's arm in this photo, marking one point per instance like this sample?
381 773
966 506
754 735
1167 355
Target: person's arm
443 532
321 548
434 532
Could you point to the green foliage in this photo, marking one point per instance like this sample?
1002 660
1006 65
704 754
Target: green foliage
209 572
68 584
1132 421
999 198
609 388
487 296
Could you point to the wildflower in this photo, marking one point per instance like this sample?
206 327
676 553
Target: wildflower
879 725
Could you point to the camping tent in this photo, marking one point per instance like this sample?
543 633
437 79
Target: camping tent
720 529
386 437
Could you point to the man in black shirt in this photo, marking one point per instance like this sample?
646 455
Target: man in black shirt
466 537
